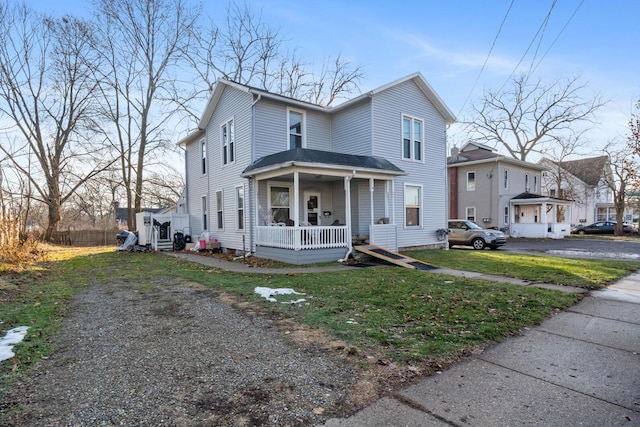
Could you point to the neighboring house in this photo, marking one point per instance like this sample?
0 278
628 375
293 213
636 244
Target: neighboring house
300 182
583 181
500 192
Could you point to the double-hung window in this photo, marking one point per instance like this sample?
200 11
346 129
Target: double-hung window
240 207
506 179
412 138
471 181
219 211
280 203
471 213
228 142
204 208
412 205
203 156
295 122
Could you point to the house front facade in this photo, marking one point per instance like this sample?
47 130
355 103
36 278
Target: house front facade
299 182
503 193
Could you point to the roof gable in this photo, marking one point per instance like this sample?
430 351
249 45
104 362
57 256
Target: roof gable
589 170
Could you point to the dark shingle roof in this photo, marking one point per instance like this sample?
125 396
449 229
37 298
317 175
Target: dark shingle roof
305 155
588 170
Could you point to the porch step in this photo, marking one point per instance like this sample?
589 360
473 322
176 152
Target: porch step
393 257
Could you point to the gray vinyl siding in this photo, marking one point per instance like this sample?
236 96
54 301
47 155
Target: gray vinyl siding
233 104
272 132
198 186
351 130
389 106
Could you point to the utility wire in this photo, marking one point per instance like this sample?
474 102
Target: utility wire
544 27
495 39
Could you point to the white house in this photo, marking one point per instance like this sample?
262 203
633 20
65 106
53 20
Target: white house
583 181
300 182
501 192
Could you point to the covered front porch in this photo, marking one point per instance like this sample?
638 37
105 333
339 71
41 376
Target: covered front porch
537 216
311 206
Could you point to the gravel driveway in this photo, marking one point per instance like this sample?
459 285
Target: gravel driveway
173 354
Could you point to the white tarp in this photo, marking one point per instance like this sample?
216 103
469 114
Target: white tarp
129 242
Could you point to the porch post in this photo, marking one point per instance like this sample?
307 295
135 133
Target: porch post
296 209
386 199
347 208
392 184
545 222
371 187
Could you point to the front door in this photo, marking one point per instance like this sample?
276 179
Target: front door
312 208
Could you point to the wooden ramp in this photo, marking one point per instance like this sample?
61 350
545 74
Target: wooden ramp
393 257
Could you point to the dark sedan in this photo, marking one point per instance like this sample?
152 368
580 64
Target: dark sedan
601 227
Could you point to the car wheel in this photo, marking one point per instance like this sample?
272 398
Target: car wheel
478 243
581 232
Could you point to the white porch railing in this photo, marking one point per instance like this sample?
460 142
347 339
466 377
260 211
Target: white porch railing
313 237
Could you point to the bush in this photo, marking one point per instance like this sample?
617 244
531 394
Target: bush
17 249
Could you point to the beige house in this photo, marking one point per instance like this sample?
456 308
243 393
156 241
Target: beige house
503 193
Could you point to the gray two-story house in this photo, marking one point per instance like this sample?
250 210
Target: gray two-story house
299 182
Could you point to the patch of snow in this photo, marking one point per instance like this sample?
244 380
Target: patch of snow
581 253
11 338
268 293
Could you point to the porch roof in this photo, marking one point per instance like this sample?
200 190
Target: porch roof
305 157
532 198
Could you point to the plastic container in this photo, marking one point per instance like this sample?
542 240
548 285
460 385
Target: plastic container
203 244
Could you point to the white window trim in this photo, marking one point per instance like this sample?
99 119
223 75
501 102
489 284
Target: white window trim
204 212
506 179
527 182
220 208
475 176
475 213
420 206
230 124
303 124
412 155
237 208
203 157
279 184
506 215
535 184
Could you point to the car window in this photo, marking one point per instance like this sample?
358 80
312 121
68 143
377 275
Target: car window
455 224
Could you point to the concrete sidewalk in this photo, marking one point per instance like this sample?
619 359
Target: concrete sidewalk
579 368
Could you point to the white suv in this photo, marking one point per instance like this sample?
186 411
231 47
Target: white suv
468 233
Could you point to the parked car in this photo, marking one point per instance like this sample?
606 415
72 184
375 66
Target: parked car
468 233
601 227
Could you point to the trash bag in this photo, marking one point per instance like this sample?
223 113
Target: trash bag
178 241
130 240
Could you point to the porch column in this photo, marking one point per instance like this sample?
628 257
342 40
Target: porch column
393 201
371 188
296 210
544 222
387 192
347 207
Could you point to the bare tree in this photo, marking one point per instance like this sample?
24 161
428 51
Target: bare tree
144 44
47 94
163 189
557 174
623 176
525 117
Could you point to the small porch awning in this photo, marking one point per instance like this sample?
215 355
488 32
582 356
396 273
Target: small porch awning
301 158
538 216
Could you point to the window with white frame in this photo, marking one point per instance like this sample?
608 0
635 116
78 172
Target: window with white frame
506 215
240 208
204 209
471 213
412 138
295 122
228 142
280 203
506 179
412 205
203 156
535 184
526 182
471 181
219 210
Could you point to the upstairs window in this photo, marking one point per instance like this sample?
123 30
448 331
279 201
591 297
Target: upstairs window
296 129
203 156
412 138
228 142
471 181
535 184
526 182
506 180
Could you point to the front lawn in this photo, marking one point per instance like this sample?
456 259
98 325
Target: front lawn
584 273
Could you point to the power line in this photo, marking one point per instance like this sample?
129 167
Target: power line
495 39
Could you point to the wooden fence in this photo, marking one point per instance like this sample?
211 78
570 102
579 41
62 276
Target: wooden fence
86 237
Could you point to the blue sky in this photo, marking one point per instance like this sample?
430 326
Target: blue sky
448 42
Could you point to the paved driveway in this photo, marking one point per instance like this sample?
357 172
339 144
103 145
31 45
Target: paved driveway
578 247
